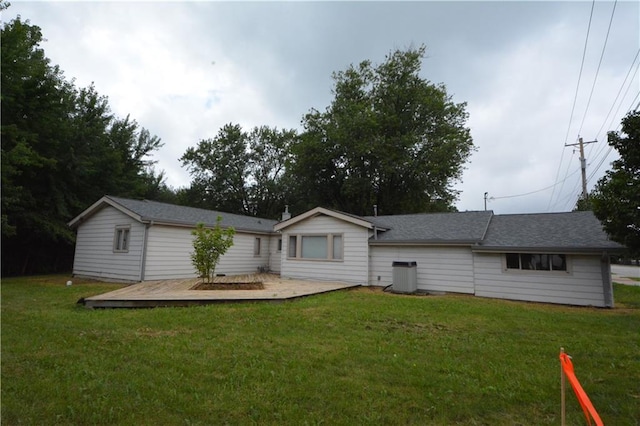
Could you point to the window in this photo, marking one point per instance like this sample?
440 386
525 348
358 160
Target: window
320 247
293 246
256 247
121 239
279 244
536 262
314 247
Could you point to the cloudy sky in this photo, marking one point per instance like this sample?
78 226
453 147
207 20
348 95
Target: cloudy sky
184 69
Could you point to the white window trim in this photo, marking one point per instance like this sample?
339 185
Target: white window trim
329 258
121 230
545 272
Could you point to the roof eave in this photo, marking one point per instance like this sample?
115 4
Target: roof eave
549 250
323 211
193 225
463 243
99 205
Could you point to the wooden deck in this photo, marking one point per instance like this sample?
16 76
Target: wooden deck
178 292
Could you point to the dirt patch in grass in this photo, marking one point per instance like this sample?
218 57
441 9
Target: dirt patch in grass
229 286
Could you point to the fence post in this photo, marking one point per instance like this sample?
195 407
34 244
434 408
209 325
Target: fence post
562 407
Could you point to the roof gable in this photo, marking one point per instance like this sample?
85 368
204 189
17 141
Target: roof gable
356 220
146 211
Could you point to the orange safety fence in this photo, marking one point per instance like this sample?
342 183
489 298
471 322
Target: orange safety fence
588 408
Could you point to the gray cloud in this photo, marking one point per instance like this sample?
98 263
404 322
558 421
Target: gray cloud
185 69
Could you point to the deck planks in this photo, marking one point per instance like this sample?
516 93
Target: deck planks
178 292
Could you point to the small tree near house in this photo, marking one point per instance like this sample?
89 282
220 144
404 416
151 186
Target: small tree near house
208 246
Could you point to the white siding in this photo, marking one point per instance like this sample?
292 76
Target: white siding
275 255
448 269
169 254
352 269
580 285
94 256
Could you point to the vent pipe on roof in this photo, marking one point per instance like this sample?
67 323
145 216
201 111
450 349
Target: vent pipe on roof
375 210
286 215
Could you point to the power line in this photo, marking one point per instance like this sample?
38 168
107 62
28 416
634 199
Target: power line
619 91
566 175
615 101
611 147
532 192
602 147
595 79
584 54
575 98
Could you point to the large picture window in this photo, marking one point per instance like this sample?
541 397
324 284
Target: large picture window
320 247
536 262
121 239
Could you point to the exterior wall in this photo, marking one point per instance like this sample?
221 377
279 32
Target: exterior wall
169 251
94 254
353 268
581 284
447 269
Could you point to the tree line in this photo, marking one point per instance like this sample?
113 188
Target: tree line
389 138
62 148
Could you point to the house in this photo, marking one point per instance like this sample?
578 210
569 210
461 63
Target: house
119 239
551 257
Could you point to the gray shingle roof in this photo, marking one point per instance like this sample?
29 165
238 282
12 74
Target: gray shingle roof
170 213
579 231
447 228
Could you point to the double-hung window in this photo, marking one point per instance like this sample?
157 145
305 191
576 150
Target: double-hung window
121 239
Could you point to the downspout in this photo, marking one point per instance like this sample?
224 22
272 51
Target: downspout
143 260
607 287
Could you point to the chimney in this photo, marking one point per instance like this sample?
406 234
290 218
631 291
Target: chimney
375 210
286 215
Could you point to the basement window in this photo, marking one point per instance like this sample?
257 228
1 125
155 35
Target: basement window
121 239
536 262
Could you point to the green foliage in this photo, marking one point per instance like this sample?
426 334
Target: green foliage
352 357
62 148
389 138
208 246
239 172
616 197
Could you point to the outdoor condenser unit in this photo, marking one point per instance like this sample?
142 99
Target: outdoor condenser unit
405 278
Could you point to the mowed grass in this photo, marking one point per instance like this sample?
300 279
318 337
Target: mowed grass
343 358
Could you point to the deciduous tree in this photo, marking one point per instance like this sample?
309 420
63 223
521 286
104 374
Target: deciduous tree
62 148
616 197
208 246
239 172
390 137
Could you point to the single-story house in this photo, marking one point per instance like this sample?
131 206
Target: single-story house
551 257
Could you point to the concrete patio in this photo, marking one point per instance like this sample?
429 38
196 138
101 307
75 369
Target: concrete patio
179 292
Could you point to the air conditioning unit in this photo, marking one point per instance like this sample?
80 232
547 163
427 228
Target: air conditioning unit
405 277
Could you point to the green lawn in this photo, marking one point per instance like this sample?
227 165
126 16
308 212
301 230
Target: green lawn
350 357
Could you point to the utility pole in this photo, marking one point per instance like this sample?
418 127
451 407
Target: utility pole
583 164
